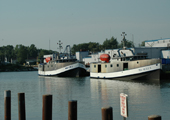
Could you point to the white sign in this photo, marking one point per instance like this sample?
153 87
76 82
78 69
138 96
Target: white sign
123 105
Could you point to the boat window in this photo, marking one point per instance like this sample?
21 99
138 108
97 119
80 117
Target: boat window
137 62
117 65
105 66
51 65
94 66
111 65
127 59
47 65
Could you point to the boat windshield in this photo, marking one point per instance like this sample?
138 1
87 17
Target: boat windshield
66 60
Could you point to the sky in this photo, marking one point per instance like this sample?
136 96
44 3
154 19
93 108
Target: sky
43 23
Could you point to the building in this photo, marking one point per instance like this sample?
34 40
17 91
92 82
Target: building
31 61
158 43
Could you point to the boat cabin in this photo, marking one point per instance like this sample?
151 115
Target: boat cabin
122 63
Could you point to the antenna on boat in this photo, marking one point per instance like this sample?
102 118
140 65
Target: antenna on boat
124 39
60 47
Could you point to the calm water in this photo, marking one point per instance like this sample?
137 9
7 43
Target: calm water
144 99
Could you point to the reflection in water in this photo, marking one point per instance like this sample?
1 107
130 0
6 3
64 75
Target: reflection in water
92 94
63 90
62 86
144 98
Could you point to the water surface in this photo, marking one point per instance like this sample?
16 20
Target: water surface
144 99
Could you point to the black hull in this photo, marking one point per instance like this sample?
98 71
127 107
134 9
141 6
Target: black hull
77 72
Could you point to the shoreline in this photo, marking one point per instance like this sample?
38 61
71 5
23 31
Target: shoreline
15 68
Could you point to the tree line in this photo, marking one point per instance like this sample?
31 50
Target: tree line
93 47
21 53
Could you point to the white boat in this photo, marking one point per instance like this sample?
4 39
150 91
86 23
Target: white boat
127 68
124 66
62 65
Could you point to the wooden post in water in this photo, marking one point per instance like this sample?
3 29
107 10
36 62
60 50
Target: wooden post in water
21 106
107 113
72 110
154 117
7 105
47 107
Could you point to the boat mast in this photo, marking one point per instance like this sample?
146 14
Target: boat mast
60 47
124 39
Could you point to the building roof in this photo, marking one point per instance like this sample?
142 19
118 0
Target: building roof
156 40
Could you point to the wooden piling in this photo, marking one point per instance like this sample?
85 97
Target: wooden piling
47 107
107 113
21 106
7 105
154 117
72 110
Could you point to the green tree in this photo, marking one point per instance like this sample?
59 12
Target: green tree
2 55
142 44
93 47
21 53
6 52
83 46
9 52
128 44
33 52
43 52
110 43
